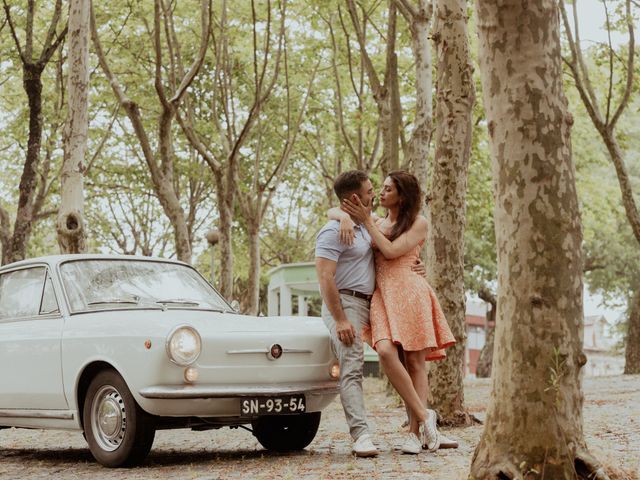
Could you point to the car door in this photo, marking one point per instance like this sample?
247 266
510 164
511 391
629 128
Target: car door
30 341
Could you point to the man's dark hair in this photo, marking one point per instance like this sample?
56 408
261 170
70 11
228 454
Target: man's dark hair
349 182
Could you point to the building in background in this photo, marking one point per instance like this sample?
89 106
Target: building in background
598 342
598 346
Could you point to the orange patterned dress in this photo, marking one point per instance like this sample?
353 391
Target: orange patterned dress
405 310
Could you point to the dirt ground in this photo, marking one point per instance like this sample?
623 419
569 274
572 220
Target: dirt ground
612 427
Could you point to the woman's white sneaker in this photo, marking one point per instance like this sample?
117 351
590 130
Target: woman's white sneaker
411 444
428 431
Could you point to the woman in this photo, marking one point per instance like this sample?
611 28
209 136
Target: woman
405 312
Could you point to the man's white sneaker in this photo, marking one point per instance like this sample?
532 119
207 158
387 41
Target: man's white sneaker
428 432
411 444
364 447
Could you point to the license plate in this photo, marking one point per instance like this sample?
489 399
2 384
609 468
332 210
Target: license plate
274 405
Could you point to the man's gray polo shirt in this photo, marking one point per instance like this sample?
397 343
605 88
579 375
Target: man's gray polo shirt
355 268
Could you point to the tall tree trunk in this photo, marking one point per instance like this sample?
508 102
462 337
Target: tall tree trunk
632 340
445 237
70 224
632 347
606 124
534 422
5 236
24 215
483 369
31 80
419 19
253 290
225 225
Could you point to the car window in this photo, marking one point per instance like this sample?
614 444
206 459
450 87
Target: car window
109 284
49 303
21 292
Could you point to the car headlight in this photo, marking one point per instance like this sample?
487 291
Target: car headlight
184 345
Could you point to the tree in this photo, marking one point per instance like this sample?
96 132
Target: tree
71 223
15 244
534 420
419 20
606 123
447 209
162 163
233 112
387 92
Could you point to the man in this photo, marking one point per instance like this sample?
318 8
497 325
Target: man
347 279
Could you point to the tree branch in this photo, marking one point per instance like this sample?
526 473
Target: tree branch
131 108
197 63
583 85
408 11
630 68
340 111
51 33
7 11
610 93
157 48
368 64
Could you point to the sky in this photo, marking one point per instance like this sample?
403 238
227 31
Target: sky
592 18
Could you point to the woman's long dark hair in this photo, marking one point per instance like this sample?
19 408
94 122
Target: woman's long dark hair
409 193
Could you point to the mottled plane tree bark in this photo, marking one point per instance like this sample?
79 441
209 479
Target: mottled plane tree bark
170 93
605 116
15 243
71 221
455 96
534 423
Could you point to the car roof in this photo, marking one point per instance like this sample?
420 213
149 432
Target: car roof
53 260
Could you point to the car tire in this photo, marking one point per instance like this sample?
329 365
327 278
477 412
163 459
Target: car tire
283 433
118 431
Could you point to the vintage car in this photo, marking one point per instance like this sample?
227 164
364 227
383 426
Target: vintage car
120 346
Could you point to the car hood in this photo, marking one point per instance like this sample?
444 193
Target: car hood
211 322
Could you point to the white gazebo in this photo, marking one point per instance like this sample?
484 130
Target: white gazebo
289 280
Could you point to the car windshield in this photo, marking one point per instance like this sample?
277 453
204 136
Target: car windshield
109 284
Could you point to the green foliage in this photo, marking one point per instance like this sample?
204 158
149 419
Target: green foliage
124 215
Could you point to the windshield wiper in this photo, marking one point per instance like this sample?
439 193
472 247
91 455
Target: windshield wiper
178 301
114 300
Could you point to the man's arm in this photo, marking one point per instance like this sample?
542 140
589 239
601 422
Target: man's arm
326 270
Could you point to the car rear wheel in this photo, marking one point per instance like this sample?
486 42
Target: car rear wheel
284 433
118 431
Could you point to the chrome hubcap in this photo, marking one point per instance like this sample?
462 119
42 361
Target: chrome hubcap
108 418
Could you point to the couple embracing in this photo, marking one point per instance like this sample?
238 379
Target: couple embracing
374 290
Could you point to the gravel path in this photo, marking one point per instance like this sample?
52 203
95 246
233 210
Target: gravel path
612 427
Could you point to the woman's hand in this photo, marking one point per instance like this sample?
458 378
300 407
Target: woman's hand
347 234
358 212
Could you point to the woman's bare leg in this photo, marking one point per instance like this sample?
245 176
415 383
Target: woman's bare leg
401 381
416 366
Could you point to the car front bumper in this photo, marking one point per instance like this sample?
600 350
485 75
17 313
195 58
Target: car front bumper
237 391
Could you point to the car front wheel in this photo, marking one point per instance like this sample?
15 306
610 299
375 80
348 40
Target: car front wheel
118 431
284 433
